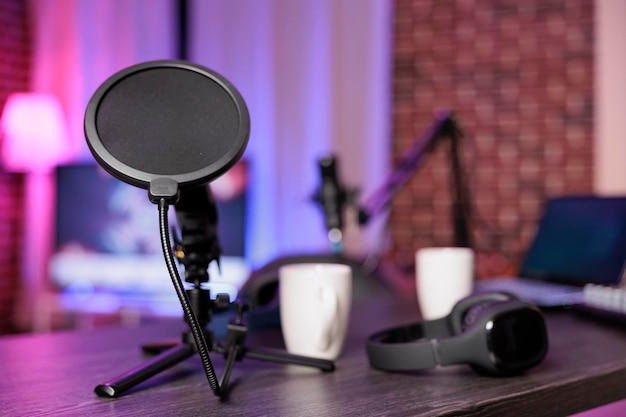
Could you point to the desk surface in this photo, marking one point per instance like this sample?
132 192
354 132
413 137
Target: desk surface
55 374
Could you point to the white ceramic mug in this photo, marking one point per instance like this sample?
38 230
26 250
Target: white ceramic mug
444 276
315 301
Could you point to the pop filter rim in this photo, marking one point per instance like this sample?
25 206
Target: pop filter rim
141 178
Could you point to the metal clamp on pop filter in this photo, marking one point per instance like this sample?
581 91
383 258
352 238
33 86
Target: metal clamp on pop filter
171 127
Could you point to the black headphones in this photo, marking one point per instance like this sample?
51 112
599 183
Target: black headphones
495 333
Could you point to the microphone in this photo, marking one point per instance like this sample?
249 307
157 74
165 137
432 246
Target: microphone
196 215
332 197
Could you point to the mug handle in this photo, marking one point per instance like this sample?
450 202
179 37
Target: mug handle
329 304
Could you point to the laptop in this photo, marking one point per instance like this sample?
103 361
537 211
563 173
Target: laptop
579 240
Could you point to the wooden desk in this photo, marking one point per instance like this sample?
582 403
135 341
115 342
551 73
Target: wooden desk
55 374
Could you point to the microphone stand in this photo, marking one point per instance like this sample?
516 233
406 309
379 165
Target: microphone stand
199 246
261 287
332 195
444 125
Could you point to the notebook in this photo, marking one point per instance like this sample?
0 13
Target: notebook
579 240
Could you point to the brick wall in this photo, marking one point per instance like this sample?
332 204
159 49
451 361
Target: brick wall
14 76
519 76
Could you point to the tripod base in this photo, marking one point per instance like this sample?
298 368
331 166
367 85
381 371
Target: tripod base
233 350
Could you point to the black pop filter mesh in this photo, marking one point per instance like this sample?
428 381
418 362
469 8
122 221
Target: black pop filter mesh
185 110
166 119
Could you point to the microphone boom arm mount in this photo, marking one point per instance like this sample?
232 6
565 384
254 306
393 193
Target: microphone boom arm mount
444 125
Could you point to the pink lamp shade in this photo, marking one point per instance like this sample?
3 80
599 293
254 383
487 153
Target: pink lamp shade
34 133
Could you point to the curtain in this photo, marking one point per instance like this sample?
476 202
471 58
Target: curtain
314 73
80 43
316 77
77 44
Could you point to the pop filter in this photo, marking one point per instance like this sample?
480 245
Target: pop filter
167 119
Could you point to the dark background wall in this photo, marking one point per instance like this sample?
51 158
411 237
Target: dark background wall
519 76
14 76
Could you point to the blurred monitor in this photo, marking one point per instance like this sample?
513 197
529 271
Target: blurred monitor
107 244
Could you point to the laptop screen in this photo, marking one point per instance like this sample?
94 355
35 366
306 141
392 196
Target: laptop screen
579 240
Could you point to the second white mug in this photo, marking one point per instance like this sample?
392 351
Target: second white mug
444 276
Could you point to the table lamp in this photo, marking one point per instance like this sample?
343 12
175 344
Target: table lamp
34 140
34 133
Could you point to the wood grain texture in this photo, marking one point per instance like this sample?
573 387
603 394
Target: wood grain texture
55 374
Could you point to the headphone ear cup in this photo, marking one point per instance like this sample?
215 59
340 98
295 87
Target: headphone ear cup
474 312
457 318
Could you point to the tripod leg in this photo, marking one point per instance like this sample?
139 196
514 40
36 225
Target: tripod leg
122 383
288 358
234 349
232 355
